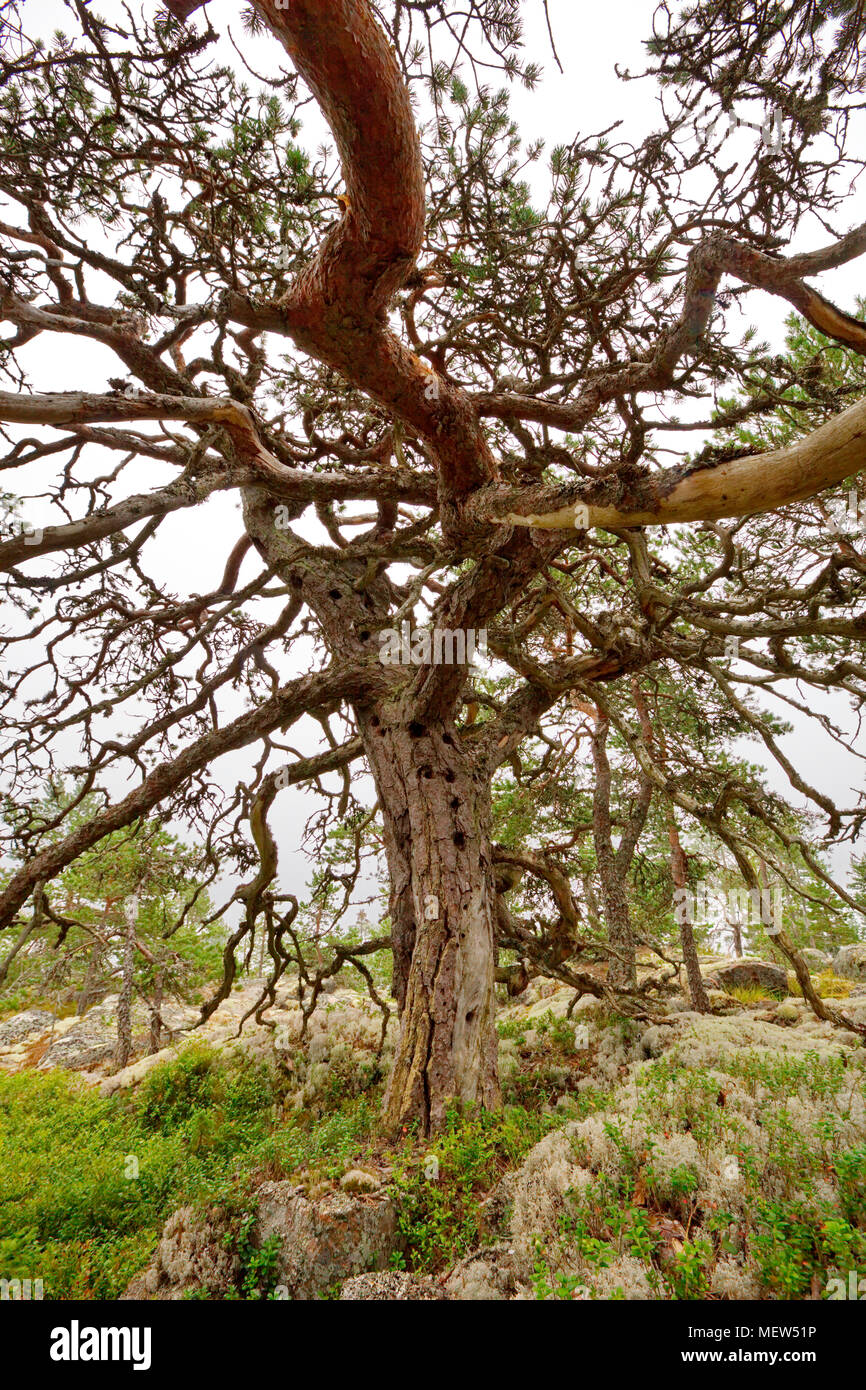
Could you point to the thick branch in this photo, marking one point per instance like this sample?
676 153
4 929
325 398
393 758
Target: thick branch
734 488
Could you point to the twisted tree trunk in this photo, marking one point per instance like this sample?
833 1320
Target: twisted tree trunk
437 835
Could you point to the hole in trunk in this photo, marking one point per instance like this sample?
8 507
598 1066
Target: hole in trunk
417 730
449 776
455 802
334 594
459 839
425 771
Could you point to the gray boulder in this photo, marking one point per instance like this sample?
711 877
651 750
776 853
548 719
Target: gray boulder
24 1025
321 1244
84 1045
325 1242
748 974
92 1039
816 960
850 962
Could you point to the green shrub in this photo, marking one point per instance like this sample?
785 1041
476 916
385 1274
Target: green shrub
439 1192
87 1183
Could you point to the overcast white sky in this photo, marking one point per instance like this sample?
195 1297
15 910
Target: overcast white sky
587 96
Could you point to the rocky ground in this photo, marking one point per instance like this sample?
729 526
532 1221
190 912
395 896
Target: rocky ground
662 1135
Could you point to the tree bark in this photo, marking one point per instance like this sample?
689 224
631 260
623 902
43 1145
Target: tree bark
622 971
94 962
156 1015
737 933
124 1002
436 810
697 991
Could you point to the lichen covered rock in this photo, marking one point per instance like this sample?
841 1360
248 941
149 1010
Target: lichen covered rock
28 1024
192 1257
324 1242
